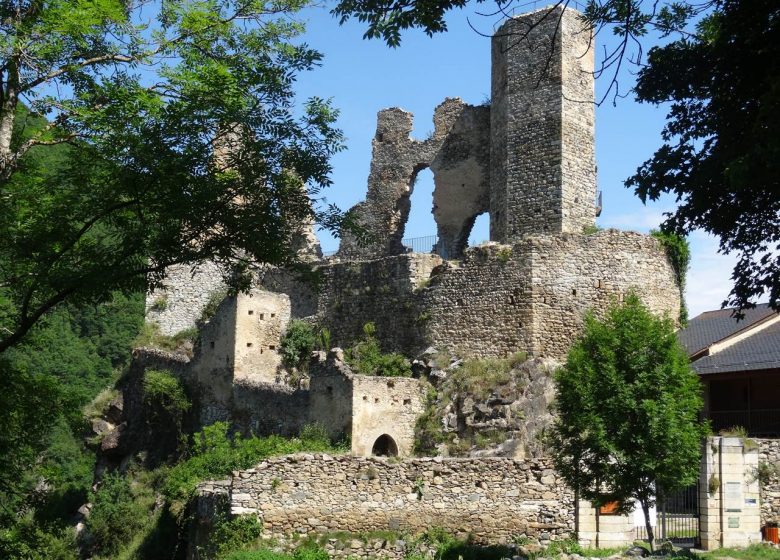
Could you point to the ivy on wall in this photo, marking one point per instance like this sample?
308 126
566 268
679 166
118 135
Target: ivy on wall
678 251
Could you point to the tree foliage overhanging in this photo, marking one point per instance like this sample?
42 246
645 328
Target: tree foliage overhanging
721 145
721 150
137 135
628 405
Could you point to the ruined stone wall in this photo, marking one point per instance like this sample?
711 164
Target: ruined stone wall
542 175
458 154
385 406
492 499
384 291
269 408
480 305
261 320
572 274
179 304
769 454
499 299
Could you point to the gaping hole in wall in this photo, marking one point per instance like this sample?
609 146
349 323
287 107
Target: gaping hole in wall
480 231
385 446
419 234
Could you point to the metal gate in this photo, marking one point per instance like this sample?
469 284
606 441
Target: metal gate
677 518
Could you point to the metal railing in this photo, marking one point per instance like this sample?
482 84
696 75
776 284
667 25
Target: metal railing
425 244
757 422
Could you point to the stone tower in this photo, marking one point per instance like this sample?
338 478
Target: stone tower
542 161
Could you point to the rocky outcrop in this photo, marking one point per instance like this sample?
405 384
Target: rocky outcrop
486 408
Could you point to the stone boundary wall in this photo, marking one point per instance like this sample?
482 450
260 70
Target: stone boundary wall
769 452
492 499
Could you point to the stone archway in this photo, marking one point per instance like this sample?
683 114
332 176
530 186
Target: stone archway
385 446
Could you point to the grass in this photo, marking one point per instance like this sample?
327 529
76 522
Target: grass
752 552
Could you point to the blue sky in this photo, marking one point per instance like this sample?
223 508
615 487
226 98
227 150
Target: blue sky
363 77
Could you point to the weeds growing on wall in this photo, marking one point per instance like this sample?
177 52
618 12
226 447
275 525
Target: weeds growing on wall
678 251
150 336
216 454
210 309
367 358
164 399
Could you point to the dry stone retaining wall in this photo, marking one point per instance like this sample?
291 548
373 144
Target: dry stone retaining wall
492 499
769 453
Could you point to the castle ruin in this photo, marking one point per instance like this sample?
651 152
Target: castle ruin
528 160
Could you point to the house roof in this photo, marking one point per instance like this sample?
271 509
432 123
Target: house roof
718 343
713 326
758 351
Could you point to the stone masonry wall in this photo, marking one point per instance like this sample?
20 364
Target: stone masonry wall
384 291
179 304
458 154
542 176
769 453
385 406
576 273
492 499
499 299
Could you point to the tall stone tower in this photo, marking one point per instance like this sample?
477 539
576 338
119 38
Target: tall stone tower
542 168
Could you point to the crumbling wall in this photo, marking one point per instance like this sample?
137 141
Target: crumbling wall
458 155
479 306
178 305
261 320
384 291
769 462
543 174
499 299
492 499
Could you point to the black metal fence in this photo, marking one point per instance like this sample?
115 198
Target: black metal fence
677 518
757 422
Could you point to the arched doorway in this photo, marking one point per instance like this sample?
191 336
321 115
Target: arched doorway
385 446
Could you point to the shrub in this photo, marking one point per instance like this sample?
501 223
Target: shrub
116 515
297 344
160 303
234 534
164 396
678 251
151 336
210 309
366 357
302 553
323 339
216 454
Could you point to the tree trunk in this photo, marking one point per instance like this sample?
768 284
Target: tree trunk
648 526
10 99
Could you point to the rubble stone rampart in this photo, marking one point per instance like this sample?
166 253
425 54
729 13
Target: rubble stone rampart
492 499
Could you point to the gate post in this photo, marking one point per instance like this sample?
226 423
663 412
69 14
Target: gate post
728 493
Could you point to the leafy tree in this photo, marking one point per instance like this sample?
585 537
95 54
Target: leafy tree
720 149
628 404
157 134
